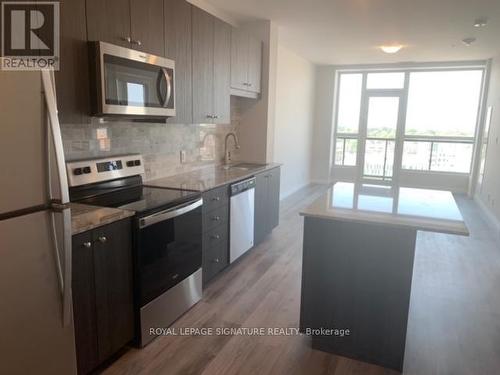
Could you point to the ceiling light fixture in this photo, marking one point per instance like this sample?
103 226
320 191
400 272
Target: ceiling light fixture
480 22
468 41
394 48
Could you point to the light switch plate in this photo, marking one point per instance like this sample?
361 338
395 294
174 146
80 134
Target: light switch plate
183 156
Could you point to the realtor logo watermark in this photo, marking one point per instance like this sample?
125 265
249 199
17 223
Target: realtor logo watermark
30 35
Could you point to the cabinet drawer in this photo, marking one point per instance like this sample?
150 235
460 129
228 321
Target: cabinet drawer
216 236
215 217
215 198
215 259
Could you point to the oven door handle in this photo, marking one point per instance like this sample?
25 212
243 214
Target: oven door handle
169 214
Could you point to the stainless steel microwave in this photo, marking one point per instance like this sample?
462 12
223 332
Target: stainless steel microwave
127 82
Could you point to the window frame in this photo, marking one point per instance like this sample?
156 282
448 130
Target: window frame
479 66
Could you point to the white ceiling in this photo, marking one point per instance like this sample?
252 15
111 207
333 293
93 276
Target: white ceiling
349 31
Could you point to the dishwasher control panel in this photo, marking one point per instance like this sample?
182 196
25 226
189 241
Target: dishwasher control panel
241 186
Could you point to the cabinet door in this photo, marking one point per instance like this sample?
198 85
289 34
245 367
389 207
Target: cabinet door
274 198
239 59
113 282
146 24
84 303
261 208
254 64
178 35
109 21
222 71
72 79
203 66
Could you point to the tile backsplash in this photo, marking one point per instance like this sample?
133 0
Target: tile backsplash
159 143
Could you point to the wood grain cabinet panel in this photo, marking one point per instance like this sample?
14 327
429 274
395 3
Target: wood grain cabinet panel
267 203
254 64
85 319
246 63
72 78
178 39
222 71
239 59
211 69
146 26
109 21
203 66
102 293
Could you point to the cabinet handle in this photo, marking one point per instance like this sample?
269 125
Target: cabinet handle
102 239
216 260
215 218
127 39
138 42
215 236
216 199
87 244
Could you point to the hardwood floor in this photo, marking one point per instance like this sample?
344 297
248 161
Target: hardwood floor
454 324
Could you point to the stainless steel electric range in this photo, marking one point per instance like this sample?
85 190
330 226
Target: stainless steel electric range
167 235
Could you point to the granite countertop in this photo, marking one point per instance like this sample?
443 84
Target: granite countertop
420 209
208 178
85 217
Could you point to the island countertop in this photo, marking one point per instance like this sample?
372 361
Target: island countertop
419 209
208 178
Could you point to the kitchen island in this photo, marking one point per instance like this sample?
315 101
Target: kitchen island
358 252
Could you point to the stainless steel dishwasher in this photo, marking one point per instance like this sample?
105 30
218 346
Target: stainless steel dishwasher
241 218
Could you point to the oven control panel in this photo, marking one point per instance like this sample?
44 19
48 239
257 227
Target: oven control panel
82 172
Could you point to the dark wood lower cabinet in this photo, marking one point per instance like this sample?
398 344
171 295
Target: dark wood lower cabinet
102 293
215 232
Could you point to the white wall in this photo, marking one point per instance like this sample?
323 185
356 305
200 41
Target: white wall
489 191
293 130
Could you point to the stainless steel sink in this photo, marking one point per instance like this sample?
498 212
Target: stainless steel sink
244 166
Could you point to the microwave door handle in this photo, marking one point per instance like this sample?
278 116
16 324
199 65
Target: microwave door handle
168 83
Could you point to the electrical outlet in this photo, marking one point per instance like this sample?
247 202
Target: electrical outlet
183 156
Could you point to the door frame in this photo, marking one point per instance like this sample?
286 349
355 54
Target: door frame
366 94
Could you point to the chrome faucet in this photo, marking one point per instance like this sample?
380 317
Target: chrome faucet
227 153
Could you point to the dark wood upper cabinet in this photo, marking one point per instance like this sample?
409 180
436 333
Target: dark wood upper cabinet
178 34
222 71
254 64
203 66
239 59
146 25
72 79
109 21
246 63
136 24
211 68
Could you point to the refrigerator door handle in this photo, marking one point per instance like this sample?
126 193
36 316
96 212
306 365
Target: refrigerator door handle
55 139
63 260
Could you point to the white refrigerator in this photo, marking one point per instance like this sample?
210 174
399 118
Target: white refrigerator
36 325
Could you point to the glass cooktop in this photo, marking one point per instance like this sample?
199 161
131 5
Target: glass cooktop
141 198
